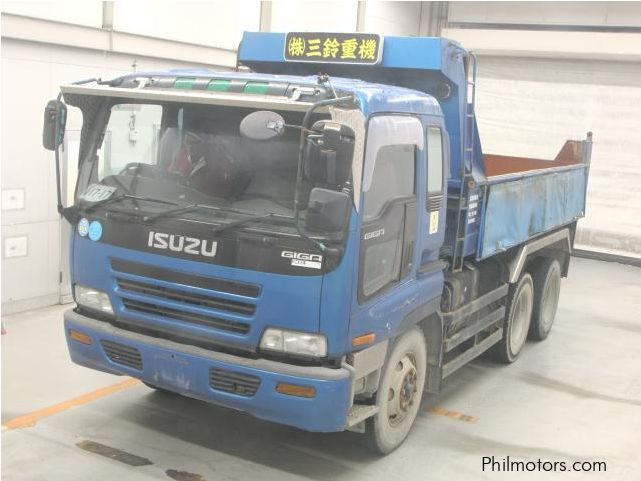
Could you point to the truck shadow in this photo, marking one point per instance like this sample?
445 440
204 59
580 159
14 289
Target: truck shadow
319 456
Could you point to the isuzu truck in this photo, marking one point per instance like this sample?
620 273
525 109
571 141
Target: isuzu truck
316 238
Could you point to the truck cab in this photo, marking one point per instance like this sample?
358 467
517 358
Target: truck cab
308 248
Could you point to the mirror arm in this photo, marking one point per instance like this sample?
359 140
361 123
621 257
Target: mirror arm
58 188
299 172
69 213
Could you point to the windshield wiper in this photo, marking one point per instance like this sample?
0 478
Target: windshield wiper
236 223
181 209
117 198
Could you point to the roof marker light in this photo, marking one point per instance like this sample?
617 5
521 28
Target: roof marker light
219 85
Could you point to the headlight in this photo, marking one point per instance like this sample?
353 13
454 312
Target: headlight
93 299
292 342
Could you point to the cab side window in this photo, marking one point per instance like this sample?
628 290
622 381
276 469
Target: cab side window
434 167
393 178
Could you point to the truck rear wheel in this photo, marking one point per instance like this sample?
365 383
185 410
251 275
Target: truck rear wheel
547 287
517 321
399 394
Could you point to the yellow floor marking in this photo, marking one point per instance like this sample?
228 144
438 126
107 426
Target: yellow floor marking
452 414
30 419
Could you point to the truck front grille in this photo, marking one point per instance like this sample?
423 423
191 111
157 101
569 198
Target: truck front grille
190 317
186 298
221 304
121 354
233 382
176 277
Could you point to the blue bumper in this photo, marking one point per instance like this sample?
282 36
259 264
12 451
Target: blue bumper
186 370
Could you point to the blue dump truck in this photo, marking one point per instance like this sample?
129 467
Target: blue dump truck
316 238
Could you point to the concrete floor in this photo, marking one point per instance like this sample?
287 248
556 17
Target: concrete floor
576 396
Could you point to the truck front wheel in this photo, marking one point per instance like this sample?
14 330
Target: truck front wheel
547 287
517 321
399 394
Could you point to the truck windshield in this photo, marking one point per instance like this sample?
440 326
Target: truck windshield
187 154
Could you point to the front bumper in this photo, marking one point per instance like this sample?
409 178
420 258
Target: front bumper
186 369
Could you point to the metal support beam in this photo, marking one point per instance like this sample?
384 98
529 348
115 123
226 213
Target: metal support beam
265 23
108 15
433 18
360 16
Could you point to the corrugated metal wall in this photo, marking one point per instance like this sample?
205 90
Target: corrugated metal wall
553 71
529 107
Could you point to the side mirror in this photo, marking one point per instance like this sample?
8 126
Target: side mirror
53 130
329 152
327 211
262 125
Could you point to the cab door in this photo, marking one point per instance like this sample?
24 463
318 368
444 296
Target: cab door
388 254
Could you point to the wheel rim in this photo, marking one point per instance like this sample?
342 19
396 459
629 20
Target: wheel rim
521 318
402 392
550 301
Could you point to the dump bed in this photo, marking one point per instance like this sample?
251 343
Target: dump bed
525 197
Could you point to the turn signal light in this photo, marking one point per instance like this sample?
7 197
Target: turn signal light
294 390
364 339
80 337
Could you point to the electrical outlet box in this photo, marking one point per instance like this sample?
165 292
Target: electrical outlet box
16 246
12 199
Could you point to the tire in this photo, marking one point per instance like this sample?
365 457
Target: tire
399 395
517 320
547 288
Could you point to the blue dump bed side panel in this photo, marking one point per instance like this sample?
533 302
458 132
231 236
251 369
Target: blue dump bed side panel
522 208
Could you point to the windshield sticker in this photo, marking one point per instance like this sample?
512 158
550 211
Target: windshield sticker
303 259
83 227
433 222
95 230
97 192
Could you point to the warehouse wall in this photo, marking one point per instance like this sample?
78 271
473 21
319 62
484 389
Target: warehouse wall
37 57
547 73
550 72
46 44
32 74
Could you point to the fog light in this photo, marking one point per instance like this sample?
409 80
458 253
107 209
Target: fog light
294 390
80 337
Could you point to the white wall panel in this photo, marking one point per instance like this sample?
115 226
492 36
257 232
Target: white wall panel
36 275
31 75
548 13
311 15
393 18
87 13
216 24
529 107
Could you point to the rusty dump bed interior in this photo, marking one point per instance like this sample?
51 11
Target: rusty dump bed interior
495 165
